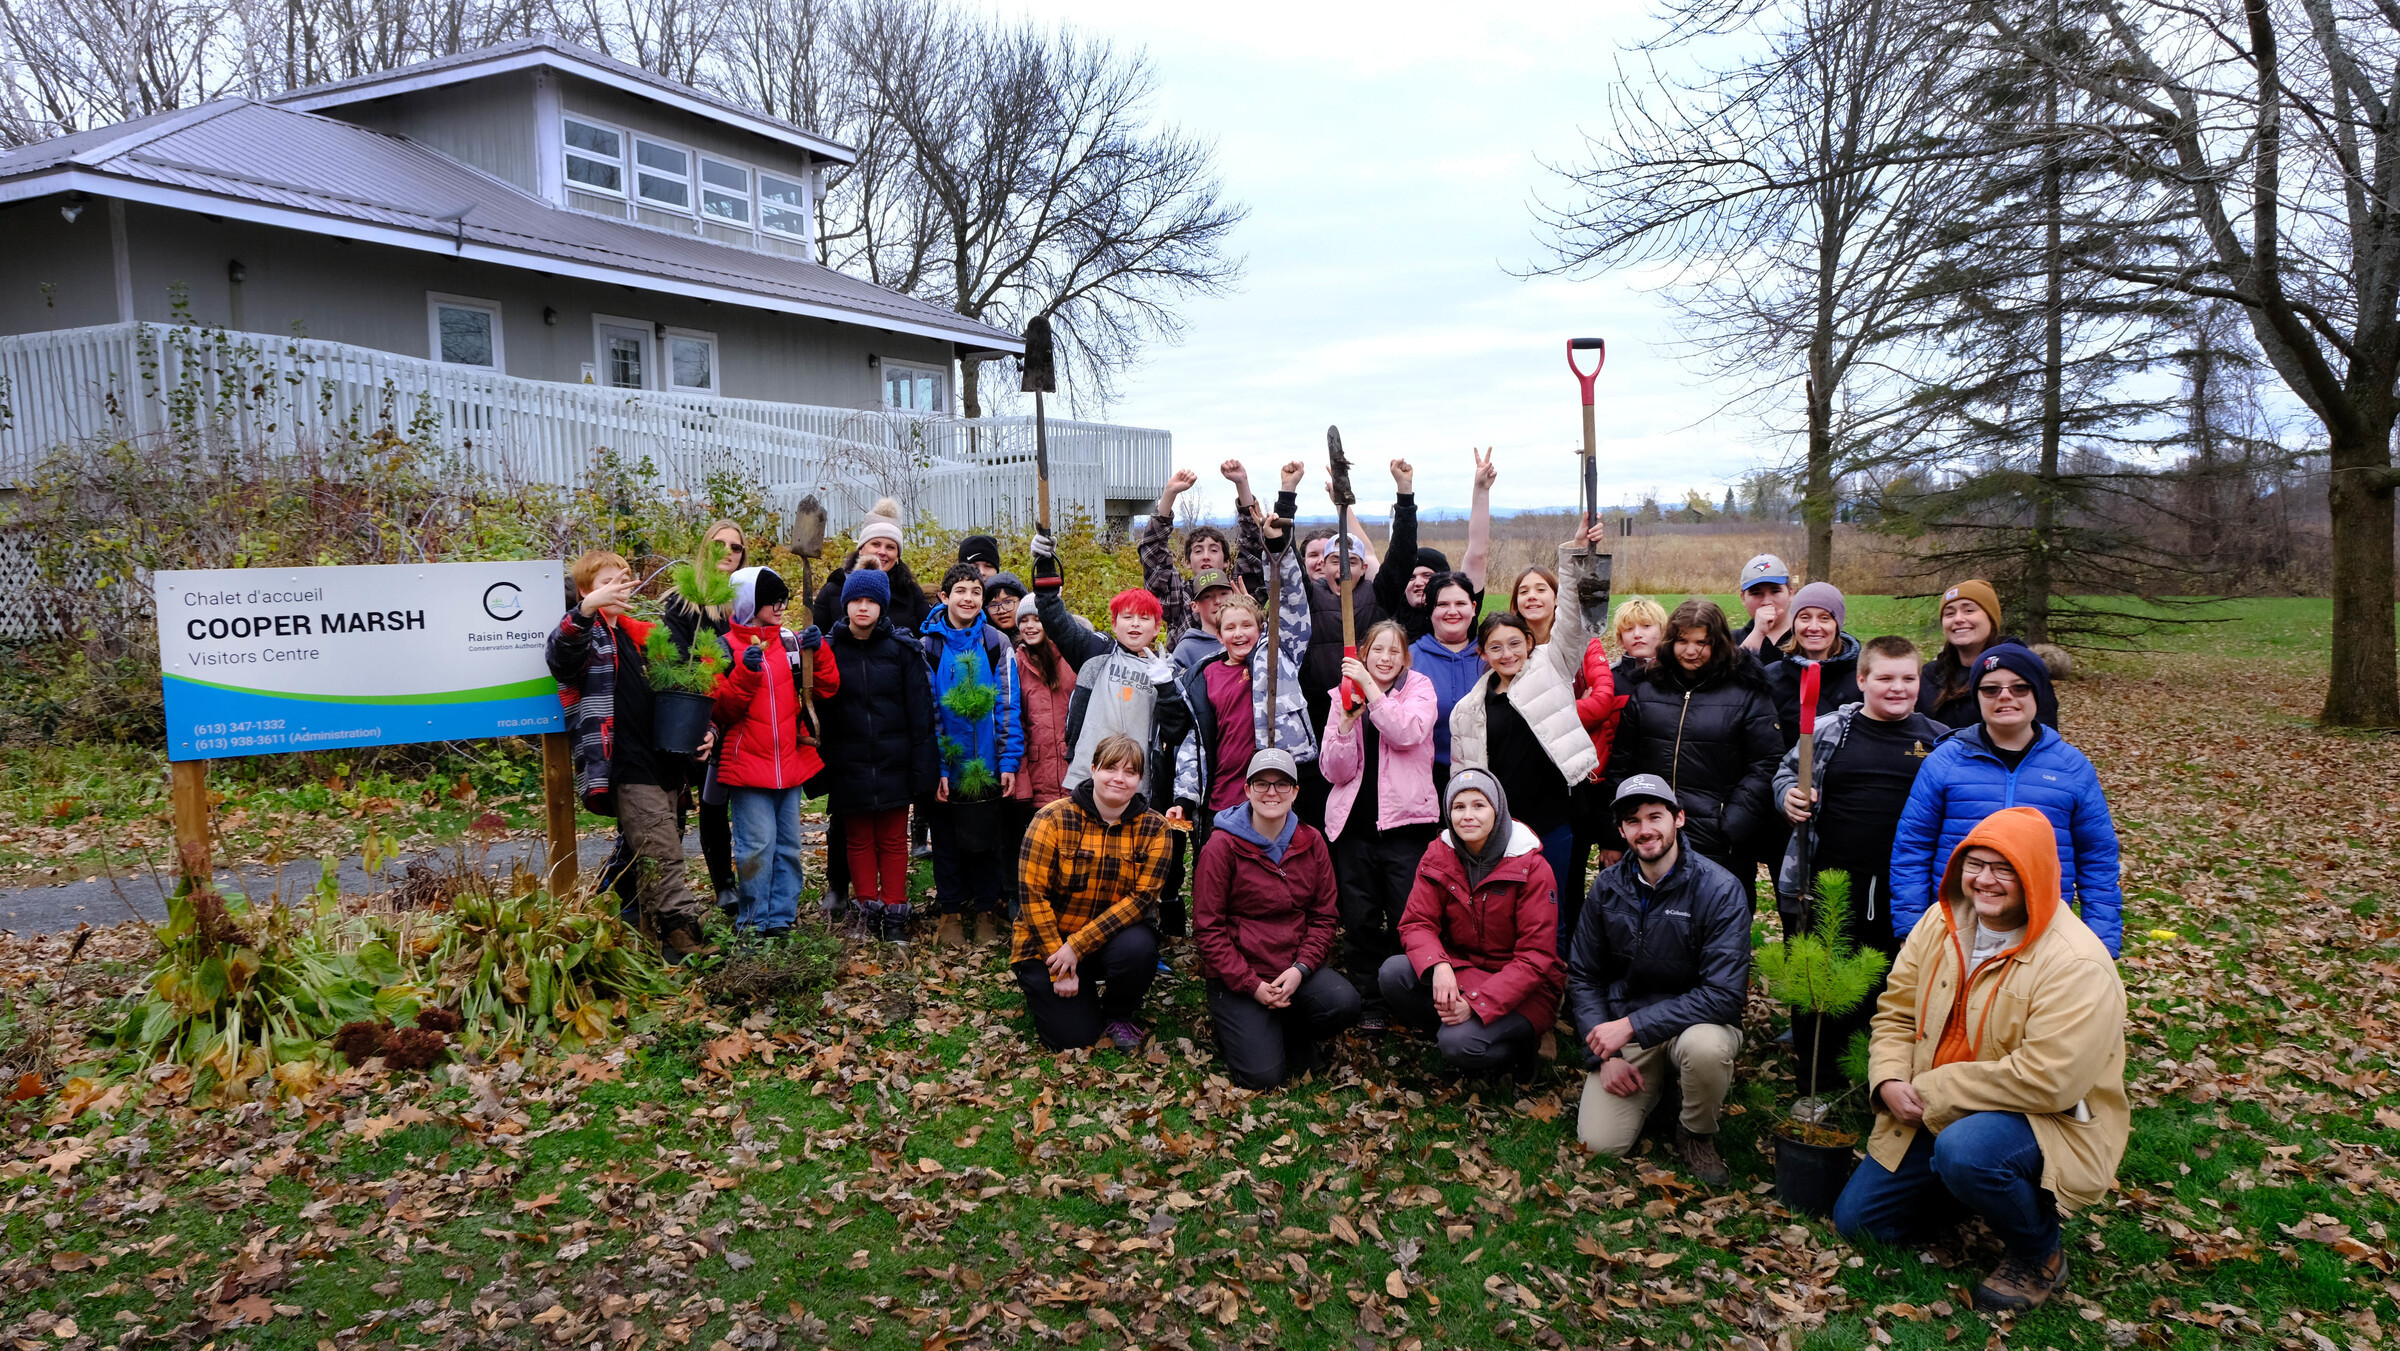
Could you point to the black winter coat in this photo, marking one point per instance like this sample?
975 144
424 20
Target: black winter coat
1716 743
1837 678
907 610
1386 598
1681 961
879 742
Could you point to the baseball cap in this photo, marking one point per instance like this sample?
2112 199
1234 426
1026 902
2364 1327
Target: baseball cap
1275 758
1648 786
1764 568
1210 579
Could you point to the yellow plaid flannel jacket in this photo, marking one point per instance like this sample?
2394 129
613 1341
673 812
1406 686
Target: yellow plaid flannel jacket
1084 879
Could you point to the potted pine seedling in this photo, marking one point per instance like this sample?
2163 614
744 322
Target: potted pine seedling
974 785
685 683
1818 975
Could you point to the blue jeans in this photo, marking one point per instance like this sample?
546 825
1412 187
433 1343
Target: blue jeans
1986 1163
766 856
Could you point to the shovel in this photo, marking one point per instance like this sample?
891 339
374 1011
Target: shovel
1591 587
1344 498
808 541
1040 377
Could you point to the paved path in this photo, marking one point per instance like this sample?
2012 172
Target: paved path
142 895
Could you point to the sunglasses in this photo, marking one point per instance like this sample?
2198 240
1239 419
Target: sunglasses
2020 690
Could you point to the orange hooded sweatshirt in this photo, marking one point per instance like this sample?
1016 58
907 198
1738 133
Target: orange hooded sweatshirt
2037 1030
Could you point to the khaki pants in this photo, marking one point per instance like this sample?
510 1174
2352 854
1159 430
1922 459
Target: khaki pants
646 814
1701 1056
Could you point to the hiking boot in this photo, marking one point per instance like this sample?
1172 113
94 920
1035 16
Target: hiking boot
895 925
687 942
1375 1022
2017 1285
1700 1157
950 932
1125 1036
990 929
833 905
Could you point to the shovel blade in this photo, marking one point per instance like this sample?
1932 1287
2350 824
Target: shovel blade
1591 594
808 527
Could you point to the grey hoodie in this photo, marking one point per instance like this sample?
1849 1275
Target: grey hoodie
1236 818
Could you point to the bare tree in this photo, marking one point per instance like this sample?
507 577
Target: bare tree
1046 187
2282 122
1796 199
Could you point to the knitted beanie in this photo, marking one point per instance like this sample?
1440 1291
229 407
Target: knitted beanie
1980 592
881 523
869 584
1823 596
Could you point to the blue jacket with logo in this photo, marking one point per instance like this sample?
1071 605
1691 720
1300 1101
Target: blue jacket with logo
1963 781
978 652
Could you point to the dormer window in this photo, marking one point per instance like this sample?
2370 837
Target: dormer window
724 191
662 175
782 206
595 157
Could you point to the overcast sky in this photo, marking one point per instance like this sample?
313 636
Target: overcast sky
1388 155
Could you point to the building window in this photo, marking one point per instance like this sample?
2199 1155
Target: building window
662 175
595 157
913 388
782 206
691 361
725 191
464 331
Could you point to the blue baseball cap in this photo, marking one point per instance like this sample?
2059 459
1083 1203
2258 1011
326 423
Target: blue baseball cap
1762 569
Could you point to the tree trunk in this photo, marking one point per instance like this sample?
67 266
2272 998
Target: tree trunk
970 389
1816 493
2363 691
2039 576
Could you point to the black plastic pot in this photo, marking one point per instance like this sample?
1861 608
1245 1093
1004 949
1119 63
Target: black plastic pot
1809 1178
679 720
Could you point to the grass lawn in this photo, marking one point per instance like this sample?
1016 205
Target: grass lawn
892 1164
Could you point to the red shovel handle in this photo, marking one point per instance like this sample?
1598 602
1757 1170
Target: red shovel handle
1583 377
1352 695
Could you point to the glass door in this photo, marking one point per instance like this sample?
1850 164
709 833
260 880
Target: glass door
624 356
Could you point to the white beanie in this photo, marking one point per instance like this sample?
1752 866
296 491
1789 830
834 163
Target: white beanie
882 523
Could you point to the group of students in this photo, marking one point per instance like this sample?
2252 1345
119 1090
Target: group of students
1402 835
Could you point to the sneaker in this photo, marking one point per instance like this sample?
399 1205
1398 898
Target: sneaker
1375 1021
895 926
1126 1036
687 942
950 932
2017 1285
1700 1157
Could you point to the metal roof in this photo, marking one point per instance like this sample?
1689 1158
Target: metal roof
259 162
545 49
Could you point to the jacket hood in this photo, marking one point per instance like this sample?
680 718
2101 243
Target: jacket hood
636 629
2024 837
1082 793
1521 841
1196 647
1235 821
968 639
1431 648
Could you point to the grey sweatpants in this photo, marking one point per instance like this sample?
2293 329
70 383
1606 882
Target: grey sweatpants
646 816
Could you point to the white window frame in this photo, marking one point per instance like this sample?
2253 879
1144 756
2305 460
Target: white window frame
941 388
758 180
568 153
666 361
436 302
689 180
748 198
600 324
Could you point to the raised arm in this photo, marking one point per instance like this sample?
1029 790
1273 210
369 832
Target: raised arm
1400 550
1478 557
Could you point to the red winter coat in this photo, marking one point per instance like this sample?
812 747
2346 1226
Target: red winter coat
1502 941
1596 701
758 713
1042 769
1253 918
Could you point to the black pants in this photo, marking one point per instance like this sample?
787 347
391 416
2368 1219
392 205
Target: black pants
716 843
1110 987
1870 927
1015 819
837 855
966 881
1374 870
1473 1046
1263 1046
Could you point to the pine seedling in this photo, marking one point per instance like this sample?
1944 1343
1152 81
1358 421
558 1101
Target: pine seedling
1821 972
970 700
699 582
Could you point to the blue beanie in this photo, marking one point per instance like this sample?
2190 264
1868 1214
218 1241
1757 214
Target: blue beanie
869 584
2018 658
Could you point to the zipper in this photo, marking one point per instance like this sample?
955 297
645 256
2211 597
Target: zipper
1675 764
774 718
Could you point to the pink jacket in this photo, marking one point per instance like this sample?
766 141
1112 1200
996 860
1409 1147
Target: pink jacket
1404 722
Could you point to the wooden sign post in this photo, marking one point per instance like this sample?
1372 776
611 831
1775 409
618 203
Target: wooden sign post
558 797
188 784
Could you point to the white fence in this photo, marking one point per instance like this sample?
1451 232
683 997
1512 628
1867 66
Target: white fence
121 380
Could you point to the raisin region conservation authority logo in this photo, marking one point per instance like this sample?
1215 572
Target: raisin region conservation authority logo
503 601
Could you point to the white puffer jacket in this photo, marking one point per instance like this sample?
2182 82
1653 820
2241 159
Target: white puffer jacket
1544 692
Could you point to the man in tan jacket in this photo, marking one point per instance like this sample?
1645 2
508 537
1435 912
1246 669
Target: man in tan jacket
1998 1062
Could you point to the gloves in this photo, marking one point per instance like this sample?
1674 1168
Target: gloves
1162 670
1044 546
811 638
754 658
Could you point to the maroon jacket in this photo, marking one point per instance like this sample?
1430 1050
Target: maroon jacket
1252 917
1502 941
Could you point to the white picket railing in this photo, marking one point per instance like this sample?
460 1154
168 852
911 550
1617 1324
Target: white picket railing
286 394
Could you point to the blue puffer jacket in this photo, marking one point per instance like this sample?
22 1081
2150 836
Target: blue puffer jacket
1963 782
977 653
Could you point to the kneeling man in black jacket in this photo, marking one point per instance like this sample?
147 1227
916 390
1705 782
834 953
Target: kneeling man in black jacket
1660 966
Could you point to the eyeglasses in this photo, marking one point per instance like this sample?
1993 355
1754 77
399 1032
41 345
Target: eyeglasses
1993 869
2020 690
1275 785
